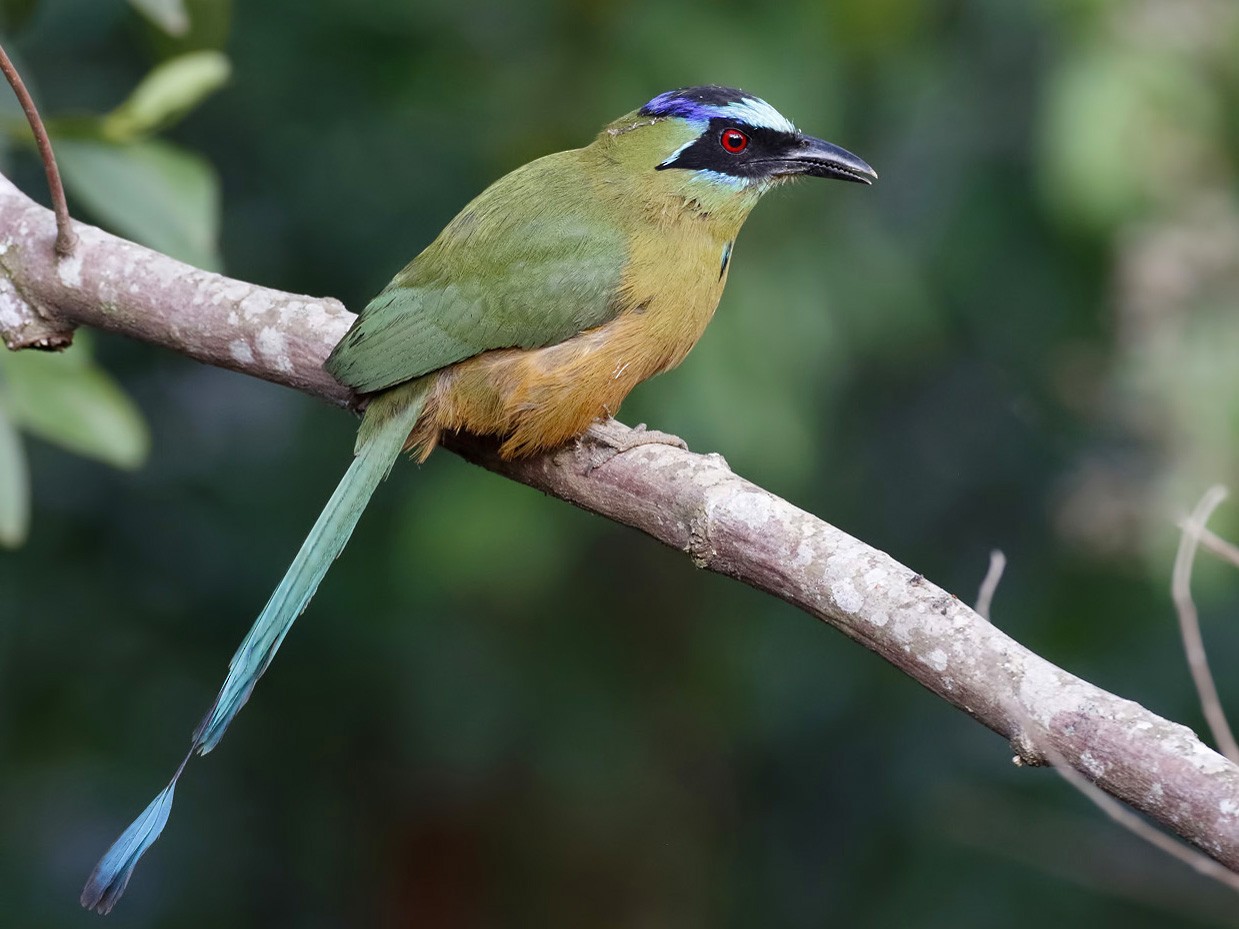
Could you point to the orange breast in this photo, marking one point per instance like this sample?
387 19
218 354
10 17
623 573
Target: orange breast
538 399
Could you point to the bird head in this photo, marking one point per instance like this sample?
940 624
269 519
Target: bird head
712 138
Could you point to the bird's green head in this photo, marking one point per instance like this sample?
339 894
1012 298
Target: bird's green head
728 139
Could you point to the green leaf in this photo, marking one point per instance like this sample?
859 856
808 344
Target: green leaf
151 191
67 399
166 94
168 15
14 485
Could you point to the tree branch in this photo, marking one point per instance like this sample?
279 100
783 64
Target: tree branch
113 284
691 502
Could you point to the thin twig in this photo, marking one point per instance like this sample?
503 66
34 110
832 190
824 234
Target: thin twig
1135 825
66 238
1108 805
985 596
1189 623
1227 551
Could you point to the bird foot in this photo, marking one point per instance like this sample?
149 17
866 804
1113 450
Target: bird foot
605 436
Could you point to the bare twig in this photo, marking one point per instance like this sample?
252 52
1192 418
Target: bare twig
1134 824
1227 551
1189 623
1116 811
993 575
66 238
1080 848
693 503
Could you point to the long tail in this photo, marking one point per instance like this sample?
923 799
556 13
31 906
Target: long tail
388 423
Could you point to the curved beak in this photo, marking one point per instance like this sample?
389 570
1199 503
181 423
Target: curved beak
818 158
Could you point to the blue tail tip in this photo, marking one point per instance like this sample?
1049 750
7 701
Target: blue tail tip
108 881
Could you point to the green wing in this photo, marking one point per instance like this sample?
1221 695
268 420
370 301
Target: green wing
534 260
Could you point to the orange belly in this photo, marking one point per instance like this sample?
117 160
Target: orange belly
538 399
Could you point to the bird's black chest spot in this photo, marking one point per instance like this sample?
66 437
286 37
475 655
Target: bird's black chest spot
722 268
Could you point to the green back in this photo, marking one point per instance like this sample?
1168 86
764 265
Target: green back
535 259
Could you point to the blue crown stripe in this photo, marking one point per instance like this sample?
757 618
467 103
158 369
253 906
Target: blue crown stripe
702 104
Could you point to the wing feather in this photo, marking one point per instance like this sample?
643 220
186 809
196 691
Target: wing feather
535 259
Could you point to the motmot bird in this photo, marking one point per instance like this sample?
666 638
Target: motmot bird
529 318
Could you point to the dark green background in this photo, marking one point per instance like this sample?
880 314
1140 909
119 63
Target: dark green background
502 712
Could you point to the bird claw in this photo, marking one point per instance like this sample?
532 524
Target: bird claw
601 436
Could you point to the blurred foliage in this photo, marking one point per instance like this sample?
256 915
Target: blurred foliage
14 484
153 191
169 15
67 400
150 190
71 402
501 711
166 94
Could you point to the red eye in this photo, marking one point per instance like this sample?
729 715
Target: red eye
734 141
